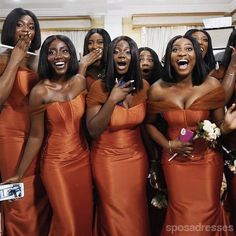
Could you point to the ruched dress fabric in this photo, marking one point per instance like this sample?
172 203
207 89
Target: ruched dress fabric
66 169
120 168
193 183
29 215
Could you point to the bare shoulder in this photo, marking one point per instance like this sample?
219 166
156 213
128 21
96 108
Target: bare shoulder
157 90
79 80
212 82
38 94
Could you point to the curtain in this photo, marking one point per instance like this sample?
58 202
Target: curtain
76 36
158 37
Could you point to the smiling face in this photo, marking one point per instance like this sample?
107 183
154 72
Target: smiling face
202 40
25 25
59 57
146 63
183 57
122 57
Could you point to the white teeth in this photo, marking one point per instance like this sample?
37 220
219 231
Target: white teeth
60 64
183 60
202 49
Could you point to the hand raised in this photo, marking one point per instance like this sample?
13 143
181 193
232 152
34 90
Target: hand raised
119 92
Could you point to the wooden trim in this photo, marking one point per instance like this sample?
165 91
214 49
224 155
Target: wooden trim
167 25
55 18
179 14
66 29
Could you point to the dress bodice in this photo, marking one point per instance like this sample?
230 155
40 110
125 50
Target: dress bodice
65 117
124 122
178 118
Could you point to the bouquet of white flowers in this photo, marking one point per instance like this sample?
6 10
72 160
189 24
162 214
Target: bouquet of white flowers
208 131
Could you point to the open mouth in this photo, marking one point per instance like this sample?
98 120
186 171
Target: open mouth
121 63
145 71
59 64
183 63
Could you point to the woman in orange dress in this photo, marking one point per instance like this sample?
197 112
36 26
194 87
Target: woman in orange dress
227 74
30 215
94 59
151 70
194 176
116 109
58 104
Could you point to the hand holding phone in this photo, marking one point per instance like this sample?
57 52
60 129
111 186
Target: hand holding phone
186 135
11 191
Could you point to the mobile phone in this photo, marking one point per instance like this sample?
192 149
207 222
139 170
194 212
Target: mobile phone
132 85
11 191
186 135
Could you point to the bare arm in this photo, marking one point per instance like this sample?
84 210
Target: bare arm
228 81
8 77
34 141
174 146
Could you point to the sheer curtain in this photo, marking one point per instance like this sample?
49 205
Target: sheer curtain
76 36
158 37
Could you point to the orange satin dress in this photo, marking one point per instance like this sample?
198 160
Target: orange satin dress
89 81
66 169
120 168
31 214
193 183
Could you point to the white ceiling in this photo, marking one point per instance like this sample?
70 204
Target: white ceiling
115 7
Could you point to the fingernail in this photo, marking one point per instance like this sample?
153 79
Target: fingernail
132 81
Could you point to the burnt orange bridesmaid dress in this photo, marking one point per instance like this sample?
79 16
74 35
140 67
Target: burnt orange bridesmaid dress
120 168
193 183
31 214
66 169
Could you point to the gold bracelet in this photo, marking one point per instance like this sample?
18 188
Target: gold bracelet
230 74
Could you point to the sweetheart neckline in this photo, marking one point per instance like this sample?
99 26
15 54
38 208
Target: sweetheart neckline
194 101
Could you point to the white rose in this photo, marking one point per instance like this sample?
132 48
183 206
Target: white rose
207 126
217 132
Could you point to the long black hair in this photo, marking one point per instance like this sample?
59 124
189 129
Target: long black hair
209 57
106 41
134 72
199 71
9 28
44 69
156 72
228 51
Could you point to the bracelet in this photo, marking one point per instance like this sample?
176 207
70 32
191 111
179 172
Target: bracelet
230 74
169 143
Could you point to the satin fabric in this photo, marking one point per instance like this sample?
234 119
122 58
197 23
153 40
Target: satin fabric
89 81
193 183
120 168
31 214
66 170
